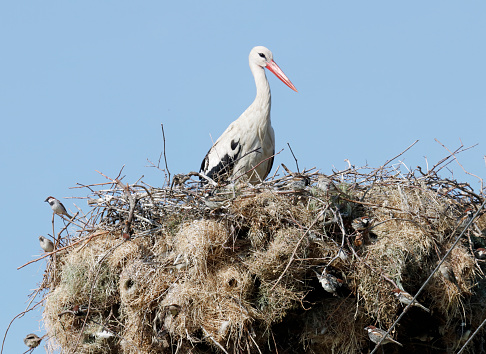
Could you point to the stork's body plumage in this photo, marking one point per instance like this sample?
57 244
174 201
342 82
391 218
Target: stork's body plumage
231 155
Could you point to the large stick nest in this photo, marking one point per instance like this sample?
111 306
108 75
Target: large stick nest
191 268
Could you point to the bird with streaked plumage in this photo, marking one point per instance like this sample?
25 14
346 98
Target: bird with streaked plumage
57 207
32 340
406 299
377 334
480 253
235 152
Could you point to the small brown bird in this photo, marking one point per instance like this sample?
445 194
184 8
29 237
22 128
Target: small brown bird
480 253
180 179
46 244
326 185
328 281
463 331
376 334
57 207
32 340
361 223
465 218
405 298
469 212
77 311
174 309
447 272
298 183
80 310
343 254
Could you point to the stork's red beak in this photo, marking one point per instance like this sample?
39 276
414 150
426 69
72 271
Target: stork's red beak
274 68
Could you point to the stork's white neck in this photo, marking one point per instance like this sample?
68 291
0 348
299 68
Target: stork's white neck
263 96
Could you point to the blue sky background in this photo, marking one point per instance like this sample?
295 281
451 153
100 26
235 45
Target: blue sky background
84 86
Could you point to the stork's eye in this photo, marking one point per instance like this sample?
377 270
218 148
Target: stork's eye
262 55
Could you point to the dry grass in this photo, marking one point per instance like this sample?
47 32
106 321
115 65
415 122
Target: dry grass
224 273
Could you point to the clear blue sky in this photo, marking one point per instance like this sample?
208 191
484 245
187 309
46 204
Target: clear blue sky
84 86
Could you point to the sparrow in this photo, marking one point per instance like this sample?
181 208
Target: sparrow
447 272
57 207
179 179
329 282
46 244
181 263
405 298
343 254
465 218
361 223
174 309
463 331
469 212
480 253
80 310
298 183
376 334
104 334
32 340
326 184
77 310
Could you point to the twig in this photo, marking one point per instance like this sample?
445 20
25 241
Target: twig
296 162
12 321
472 336
79 185
268 158
455 158
369 266
400 154
214 340
296 248
165 157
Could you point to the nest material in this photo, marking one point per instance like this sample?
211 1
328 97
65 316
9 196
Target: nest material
235 271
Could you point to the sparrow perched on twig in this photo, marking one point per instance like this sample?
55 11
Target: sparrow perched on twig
405 298
480 253
46 244
32 340
361 223
57 207
376 334
328 281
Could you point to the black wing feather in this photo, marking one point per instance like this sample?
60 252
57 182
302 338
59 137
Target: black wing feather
270 165
224 169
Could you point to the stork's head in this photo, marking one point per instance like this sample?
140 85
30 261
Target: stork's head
263 57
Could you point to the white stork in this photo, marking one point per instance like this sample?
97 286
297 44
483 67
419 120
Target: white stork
231 156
